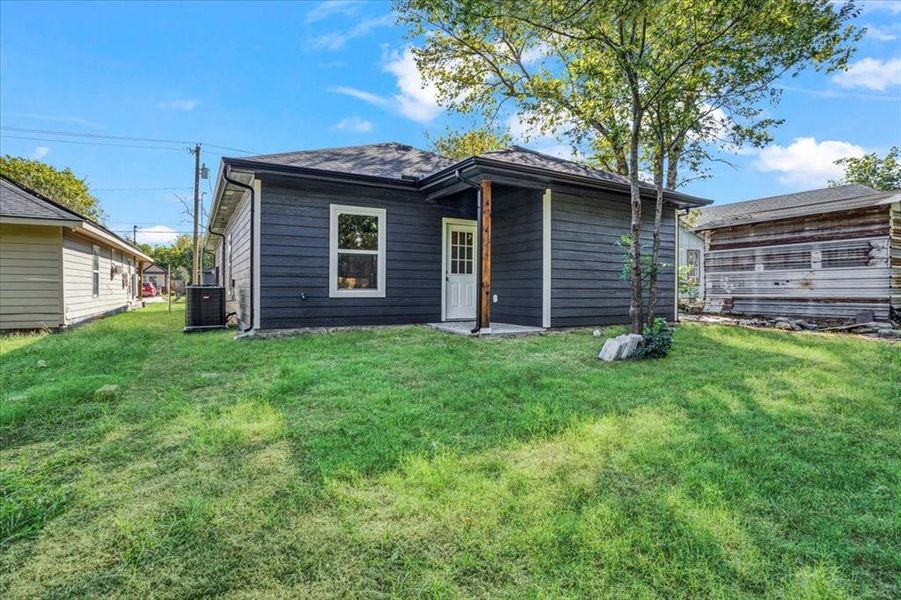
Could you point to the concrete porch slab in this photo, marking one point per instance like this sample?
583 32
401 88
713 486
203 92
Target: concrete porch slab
502 329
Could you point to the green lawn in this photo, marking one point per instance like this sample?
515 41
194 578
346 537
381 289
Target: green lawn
406 462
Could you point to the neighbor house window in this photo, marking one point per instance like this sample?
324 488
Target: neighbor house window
694 263
357 252
95 272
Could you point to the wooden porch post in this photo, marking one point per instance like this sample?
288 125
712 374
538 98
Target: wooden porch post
485 248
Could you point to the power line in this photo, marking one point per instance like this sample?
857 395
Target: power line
116 137
37 139
146 189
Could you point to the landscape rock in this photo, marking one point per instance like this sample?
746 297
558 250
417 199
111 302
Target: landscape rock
621 347
106 392
783 325
596 333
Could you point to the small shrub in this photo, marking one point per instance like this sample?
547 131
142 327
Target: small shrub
657 340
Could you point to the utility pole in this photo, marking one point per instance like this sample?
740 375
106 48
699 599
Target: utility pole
195 276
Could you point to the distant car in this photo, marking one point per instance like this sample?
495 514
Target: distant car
148 290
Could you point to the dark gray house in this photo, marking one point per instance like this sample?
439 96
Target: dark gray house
388 234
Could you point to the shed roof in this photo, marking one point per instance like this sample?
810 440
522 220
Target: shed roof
787 206
20 202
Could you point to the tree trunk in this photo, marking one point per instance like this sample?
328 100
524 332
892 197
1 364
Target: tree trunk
635 230
658 217
672 169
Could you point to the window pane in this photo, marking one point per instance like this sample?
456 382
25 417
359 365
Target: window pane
96 281
358 232
357 271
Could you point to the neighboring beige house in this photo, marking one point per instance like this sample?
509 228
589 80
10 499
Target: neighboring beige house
58 268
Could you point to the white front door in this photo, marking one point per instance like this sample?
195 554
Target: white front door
460 271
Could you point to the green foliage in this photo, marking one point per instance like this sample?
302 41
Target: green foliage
871 170
403 462
688 281
691 219
63 187
463 144
658 339
175 256
646 260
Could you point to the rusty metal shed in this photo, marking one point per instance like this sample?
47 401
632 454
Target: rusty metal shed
830 253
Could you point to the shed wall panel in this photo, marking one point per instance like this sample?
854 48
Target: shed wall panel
832 265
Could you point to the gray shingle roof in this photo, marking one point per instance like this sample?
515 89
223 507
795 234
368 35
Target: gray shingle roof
390 160
16 201
517 155
843 197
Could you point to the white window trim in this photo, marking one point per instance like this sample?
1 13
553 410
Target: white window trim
333 290
96 268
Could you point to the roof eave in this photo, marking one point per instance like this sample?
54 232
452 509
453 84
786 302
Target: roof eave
550 175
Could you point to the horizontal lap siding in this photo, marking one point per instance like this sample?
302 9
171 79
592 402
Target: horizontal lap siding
895 258
30 276
79 302
516 256
295 257
586 287
833 265
236 276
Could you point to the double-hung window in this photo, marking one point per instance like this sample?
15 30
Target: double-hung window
356 252
95 272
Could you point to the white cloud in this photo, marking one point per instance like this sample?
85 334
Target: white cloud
354 124
415 100
806 162
365 96
324 10
178 104
40 152
883 34
158 235
336 40
871 73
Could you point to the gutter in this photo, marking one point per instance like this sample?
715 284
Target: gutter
478 188
249 188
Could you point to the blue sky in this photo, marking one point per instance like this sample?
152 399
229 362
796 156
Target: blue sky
271 77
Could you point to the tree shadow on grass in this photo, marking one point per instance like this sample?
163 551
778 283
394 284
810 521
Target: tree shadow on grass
406 462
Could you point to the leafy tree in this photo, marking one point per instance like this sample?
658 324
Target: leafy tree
62 187
597 70
463 144
178 254
879 173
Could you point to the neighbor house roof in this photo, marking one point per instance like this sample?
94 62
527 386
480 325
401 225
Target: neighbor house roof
786 206
22 205
16 202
